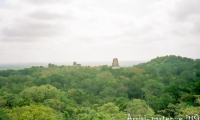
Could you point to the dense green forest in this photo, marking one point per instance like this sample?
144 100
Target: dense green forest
165 86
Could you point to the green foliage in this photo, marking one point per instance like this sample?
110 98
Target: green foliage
168 86
77 95
139 107
121 102
13 100
109 108
153 87
135 85
191 110
55 104
3 114
39 94
34 112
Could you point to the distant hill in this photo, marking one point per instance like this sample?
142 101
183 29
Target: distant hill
171 65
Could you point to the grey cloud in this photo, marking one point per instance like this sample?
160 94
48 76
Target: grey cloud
44 15
27 31
94 29
42 2
35 24
185 17
47 15
186 8
197 28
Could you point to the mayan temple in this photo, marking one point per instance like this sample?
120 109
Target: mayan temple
115 64
76 65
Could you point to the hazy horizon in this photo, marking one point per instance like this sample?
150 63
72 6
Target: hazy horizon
17 66
84 62
122 63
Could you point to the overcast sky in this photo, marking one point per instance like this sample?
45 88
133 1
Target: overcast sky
97 30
